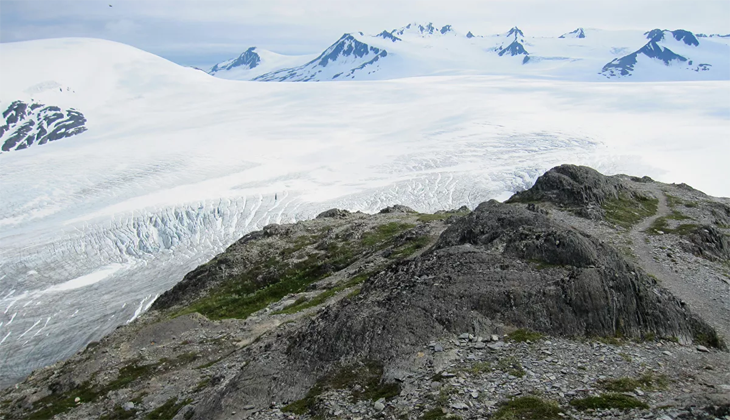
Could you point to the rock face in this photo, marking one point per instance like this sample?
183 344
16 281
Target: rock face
710 243
36 124
500 265
571 185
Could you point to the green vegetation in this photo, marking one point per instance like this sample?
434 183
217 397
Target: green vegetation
270 280
608 401
673 201
626 212
118 413
647 382
479 367
54 404
363 380
511 365
527 408
168 410
410 247
613 341
522 335
661 225
384 233
438 413
709 340
302 304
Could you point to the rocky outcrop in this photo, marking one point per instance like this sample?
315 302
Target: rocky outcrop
708 242
397 209
501 265
36 124
571 185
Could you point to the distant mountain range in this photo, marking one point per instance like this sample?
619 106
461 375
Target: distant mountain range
425 49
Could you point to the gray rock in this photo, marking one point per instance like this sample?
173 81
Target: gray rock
702 349
127 406
333 213
398 209
379 406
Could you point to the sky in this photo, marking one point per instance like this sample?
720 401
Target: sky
204 32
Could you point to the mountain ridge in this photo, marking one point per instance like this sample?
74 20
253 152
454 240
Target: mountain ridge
419 49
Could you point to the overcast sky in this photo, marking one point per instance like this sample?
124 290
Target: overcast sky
207 31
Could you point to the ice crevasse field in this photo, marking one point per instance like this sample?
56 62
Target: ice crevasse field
176 164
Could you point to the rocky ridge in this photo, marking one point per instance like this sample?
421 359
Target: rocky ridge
556 304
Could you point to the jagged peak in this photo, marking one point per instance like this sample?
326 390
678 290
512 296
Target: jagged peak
388 35
470 35
249 58
657 35
422 29
515 31
578 33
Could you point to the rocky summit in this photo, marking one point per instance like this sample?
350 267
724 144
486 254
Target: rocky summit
585 297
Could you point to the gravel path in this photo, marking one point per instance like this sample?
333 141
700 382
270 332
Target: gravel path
683 288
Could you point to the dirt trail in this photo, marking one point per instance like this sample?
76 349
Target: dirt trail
685 290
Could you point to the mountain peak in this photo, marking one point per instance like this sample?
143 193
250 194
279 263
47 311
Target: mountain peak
657 35
388 35
515 31
421 29
578 33
248 59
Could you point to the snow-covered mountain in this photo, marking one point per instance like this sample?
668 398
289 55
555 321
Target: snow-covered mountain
175 164
254 62
678 51
345 59
419 49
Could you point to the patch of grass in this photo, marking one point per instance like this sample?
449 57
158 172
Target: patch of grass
512 366
608 401
479 367
322 297
299 243
709 340
613 341
676 215
54 404
363 380
204 383
527 408
626 357
410 247
384 233
269 280
119 413
168 410
626 212
661 225
437 413
522 335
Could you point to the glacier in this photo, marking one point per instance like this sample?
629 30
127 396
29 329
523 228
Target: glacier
176 165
